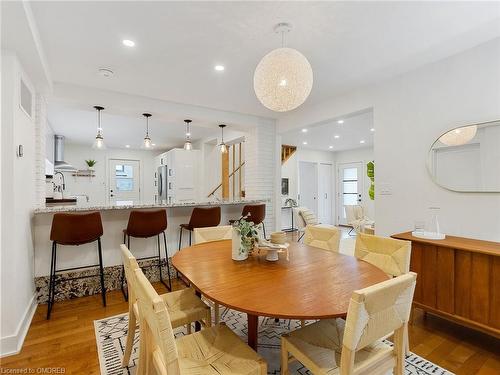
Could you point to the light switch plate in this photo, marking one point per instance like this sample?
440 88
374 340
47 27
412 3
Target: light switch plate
385 189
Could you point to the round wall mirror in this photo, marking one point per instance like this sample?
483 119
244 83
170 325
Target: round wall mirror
467 159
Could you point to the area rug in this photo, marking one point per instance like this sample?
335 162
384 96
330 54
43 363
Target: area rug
111 334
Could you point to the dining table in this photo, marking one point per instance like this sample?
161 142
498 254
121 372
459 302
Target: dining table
309 283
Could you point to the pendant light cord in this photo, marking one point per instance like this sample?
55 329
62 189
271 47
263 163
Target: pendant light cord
147 126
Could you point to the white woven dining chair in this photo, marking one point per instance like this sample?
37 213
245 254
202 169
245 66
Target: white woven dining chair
214 350
355 346
209 234
183 305
325 237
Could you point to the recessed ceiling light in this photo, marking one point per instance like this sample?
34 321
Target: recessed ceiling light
372 129
219 68
330 147
127 146
362 141
304 130
336 136
128 43
340 121
153 144
304 143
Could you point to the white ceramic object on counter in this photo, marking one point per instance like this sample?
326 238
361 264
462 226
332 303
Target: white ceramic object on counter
429 235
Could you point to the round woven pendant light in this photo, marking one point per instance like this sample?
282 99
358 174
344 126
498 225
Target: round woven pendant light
283 79
459 136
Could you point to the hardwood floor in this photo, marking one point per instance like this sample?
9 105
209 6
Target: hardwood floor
68 341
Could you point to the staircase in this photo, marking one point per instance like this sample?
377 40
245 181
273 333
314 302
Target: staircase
232 184
286 152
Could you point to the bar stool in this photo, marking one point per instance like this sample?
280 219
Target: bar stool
74 230
146 224
200 218
257 214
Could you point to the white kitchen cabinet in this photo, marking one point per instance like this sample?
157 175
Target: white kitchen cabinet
183 169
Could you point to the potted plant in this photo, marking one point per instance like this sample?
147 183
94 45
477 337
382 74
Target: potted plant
90 164
370 172
245 234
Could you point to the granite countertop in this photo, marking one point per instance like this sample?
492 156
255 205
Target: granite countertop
141 205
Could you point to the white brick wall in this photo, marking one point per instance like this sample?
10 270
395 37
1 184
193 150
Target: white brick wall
40 139
260 168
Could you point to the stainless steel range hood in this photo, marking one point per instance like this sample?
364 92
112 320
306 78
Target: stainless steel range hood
59 163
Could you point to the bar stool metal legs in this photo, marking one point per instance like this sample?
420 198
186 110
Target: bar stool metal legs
158 257
54 270
180 237
101 271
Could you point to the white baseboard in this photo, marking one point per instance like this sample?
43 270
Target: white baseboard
10 345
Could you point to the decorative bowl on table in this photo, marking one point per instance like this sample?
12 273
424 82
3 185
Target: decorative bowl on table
273 249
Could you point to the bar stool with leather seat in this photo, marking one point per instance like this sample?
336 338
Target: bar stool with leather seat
257 214
200 218
146 224
73 230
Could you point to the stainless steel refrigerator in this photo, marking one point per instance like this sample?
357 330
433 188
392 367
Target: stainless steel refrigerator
162 184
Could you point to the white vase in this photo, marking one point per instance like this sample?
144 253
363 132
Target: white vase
237 251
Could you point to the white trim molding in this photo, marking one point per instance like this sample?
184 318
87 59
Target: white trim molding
10 345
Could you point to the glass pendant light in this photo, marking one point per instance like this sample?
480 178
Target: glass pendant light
147 140
188 145
222 145
99 139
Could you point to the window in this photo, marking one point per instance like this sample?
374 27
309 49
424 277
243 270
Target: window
350 186
124 177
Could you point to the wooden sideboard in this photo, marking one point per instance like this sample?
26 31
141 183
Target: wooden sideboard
458 279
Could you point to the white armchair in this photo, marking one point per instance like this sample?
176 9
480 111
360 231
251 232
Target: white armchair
303 217
356 217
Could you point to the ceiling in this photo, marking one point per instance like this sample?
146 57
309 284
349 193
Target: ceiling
353 129
178 44
119 130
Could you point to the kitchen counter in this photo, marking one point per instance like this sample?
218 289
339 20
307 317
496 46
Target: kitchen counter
114 220
128 205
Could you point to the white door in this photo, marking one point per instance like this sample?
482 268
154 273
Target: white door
124 181
325 193
350 188
308 186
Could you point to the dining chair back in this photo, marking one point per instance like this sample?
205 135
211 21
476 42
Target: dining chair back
213 350
355 345
209 234
157 348
374 313
325 237
130 264
390 255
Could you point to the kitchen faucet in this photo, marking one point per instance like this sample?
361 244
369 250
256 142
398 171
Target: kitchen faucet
63 181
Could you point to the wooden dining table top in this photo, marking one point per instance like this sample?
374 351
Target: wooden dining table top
313 284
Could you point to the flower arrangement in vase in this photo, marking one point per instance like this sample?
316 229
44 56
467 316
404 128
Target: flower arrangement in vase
245 234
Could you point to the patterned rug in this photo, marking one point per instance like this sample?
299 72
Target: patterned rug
111 334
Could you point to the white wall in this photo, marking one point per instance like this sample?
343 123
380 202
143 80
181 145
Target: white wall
363 155
18 199
290 170
410 112
97 187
